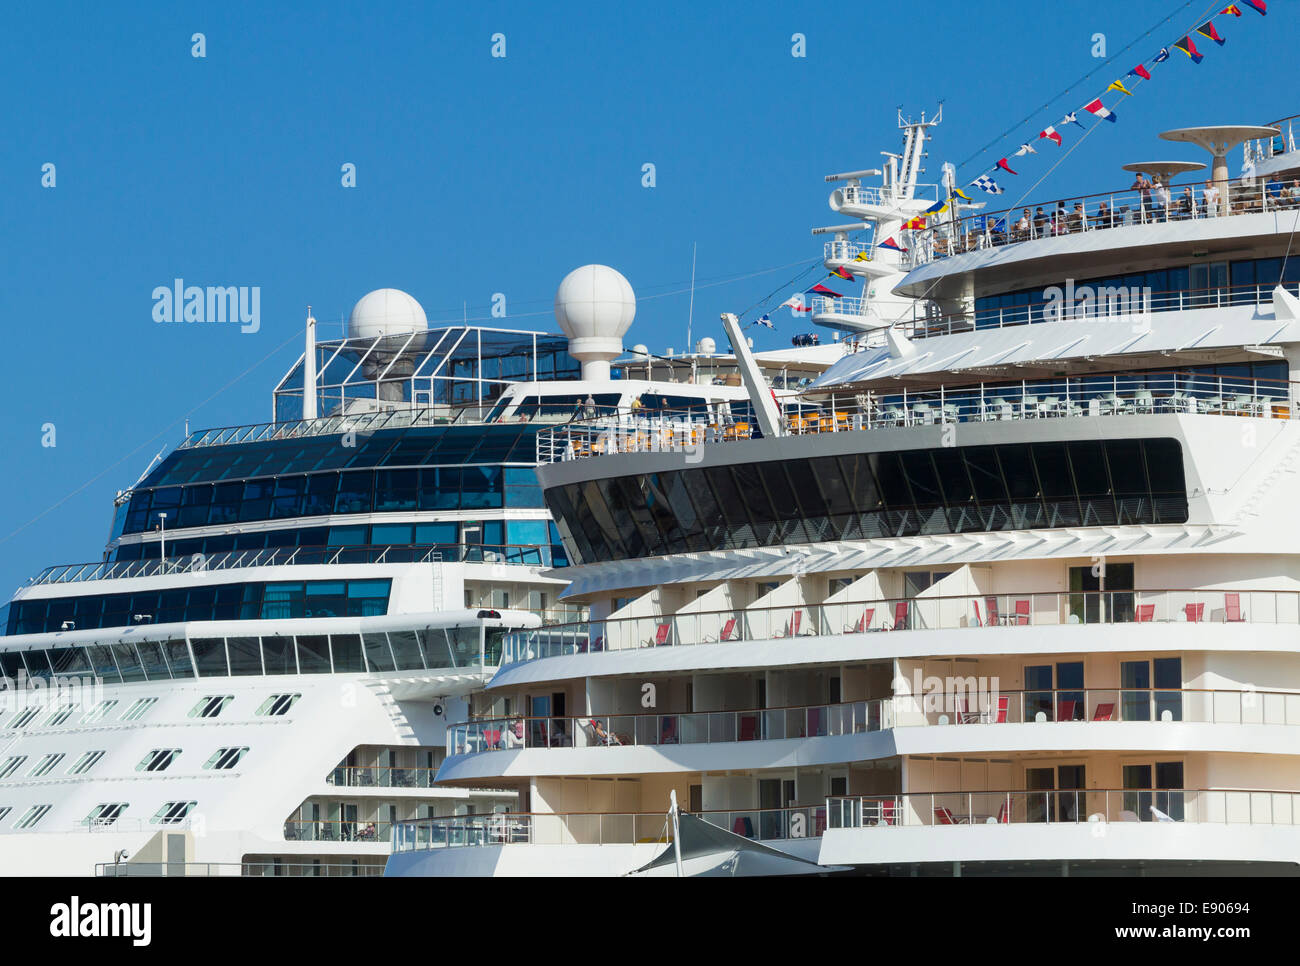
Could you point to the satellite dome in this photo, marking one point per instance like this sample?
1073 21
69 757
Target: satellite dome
594 306
386 311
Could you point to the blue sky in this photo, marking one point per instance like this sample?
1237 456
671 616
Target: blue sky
478 175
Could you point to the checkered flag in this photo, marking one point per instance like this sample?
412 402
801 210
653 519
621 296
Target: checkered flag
985 183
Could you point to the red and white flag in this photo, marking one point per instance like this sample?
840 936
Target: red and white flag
795 304
1051 135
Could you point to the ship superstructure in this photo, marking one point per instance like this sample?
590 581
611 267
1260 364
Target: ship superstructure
256 676
1013 591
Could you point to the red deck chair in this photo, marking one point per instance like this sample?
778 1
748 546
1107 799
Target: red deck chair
728 629
1022 612
1004 813
1145 613
863 622
978 621
1232 608
900 615
991 605
492 738
793 627
887 811
1065 710
943 815
748 727
661 635
1104 712
1004 704
1194 612
668 730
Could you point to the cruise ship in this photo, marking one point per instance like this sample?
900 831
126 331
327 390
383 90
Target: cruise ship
1013 588
256 675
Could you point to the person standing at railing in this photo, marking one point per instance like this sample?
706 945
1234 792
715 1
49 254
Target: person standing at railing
1187 203
1210 199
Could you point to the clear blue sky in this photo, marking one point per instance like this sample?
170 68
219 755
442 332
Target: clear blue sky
479 175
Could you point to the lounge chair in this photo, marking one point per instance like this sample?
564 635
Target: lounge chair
792 625
991 605
748 727
864 622
1065 710
1104 712
1232 609
943 816
900 615
1022 612
1194 612
661 636
1146 613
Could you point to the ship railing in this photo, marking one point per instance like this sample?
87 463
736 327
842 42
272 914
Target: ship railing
1084 214
1154 608
881 197
600 828
328 426
337 830
959 701
533 555
854 408
847 251
701 727
1114 303
1215 806
378 776
275 867
976 699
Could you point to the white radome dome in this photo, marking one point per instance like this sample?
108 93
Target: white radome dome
386 311
595 301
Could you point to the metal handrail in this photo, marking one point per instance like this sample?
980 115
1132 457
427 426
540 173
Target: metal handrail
1099 212
955 706
849 408
1133 304
1155 606
599 828
1065 806
537 555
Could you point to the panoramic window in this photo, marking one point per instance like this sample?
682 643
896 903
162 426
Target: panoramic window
972 489
11 765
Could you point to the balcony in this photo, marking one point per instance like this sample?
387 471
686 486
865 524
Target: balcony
1085 214
1154 608
352 776
124 870
335 830
599 828
1201 806
700 727
1091 706
1120 394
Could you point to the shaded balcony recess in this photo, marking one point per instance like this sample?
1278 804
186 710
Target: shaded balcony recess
1069 806
1093 706
1156 608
